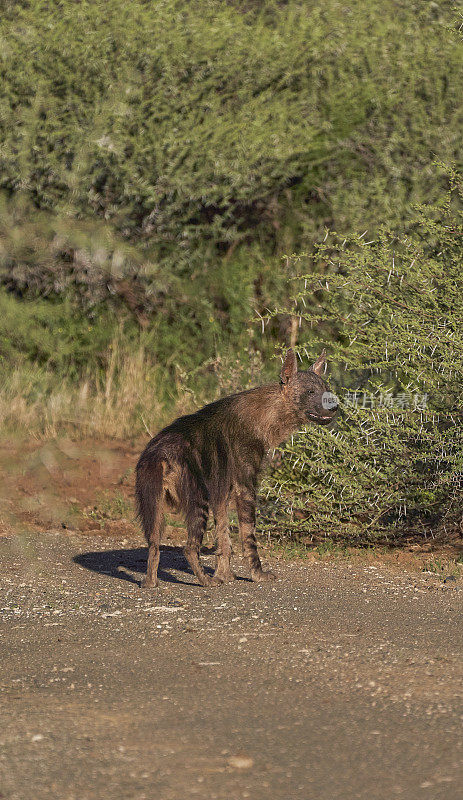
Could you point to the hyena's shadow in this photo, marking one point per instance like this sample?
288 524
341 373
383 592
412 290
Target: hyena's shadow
123 563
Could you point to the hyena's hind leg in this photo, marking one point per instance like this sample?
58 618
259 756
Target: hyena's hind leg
246 510
150 496
223 570
196 521
154 553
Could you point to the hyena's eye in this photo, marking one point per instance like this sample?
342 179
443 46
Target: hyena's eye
308 393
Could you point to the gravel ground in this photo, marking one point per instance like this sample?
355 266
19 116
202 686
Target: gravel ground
336 681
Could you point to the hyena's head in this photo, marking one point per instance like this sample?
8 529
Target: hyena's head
309 396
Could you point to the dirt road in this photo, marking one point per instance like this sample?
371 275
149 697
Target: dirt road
337 681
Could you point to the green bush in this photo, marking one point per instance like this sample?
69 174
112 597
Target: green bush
184 122
392 310
216 136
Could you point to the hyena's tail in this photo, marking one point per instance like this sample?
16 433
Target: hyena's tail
149 494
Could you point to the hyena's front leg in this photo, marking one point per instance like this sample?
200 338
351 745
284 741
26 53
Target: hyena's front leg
223 570
246 510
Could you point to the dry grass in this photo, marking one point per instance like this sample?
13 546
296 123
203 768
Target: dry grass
131 396
122 403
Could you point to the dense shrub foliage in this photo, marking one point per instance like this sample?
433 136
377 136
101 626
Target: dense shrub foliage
392 309
214 137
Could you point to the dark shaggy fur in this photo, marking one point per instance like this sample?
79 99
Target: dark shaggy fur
209 459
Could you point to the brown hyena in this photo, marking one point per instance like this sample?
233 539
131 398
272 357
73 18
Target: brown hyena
205 461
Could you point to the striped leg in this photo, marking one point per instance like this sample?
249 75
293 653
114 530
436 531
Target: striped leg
246 509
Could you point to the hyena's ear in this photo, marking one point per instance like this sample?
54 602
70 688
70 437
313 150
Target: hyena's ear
319 366
289 368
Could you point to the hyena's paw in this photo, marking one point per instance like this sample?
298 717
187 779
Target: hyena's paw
225 577
211 580
263 575
148 583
